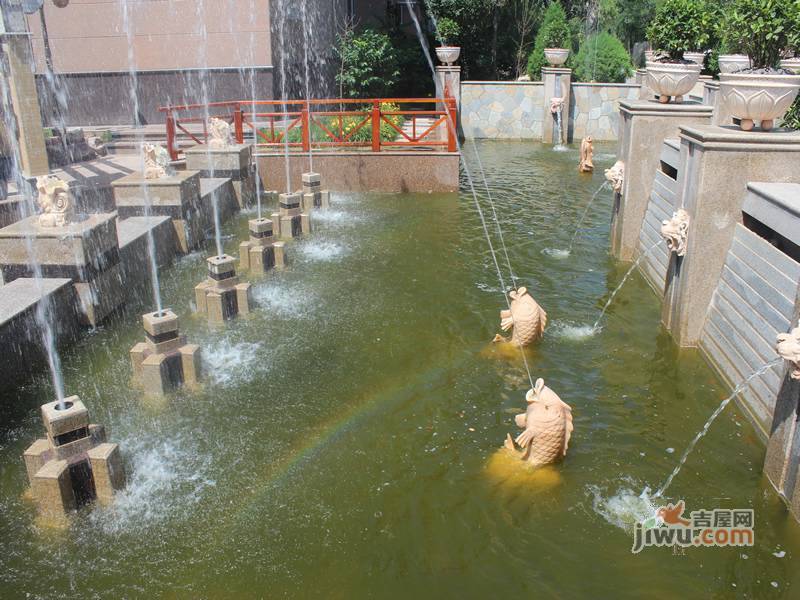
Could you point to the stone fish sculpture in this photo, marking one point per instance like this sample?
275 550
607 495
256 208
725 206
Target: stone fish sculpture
789 348
156 162
616 176
220 133
586 165
547 425
54 200
526 319
675 232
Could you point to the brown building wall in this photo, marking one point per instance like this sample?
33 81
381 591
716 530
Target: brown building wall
93 35
180 51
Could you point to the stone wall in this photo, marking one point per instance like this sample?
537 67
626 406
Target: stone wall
594 109
515 109
502 109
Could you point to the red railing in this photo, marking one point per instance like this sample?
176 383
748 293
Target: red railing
324 124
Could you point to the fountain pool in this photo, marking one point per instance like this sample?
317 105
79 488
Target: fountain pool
341 445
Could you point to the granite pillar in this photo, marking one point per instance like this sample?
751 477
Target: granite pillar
644 126
717 164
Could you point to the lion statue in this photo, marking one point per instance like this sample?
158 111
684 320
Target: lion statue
616 176
675 232
789 348
55 201
156 162
220 135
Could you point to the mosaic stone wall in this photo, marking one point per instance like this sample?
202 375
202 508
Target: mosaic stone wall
595 110
514 110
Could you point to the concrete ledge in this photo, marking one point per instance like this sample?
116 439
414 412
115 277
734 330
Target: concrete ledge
730 137
411 171
776 205
21 332
655 108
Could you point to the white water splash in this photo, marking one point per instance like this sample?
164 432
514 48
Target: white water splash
167 476
322 250
285 299
572 331
559 253
332 216
229 362
623 509
712 418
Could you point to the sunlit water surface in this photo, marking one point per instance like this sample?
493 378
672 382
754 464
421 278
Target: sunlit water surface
344 443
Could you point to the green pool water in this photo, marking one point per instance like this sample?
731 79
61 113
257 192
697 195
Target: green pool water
343 444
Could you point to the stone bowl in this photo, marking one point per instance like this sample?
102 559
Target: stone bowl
757 97
556 56
448 54
695 57
791 64
672 79
730 63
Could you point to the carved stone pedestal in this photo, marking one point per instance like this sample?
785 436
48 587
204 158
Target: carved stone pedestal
165 361
221 296
234 162
717 163
556 82
260 253
74 465
645 124
177 197
85 250
290 221
313 194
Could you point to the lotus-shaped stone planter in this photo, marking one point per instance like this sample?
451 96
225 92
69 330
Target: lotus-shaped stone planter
556 56
695 57
448 54
672 80
730 63
792 64
753 97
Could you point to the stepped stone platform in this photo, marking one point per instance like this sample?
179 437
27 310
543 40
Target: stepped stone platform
134 250
21 332
85 250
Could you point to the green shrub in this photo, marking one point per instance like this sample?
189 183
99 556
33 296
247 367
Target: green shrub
553 33
349 123
681 26
447 31
369 67
792 118
764 28
602 57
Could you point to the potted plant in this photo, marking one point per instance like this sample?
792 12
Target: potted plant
792 61
555 35
680 26
765 91
447 32
732 56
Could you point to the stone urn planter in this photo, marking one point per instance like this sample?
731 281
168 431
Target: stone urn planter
556 56
695 57
759 97
730 63
672 80
448 54
791 64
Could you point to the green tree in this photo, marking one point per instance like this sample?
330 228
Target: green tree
553 33
602 57
765 28
369 64
681 26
